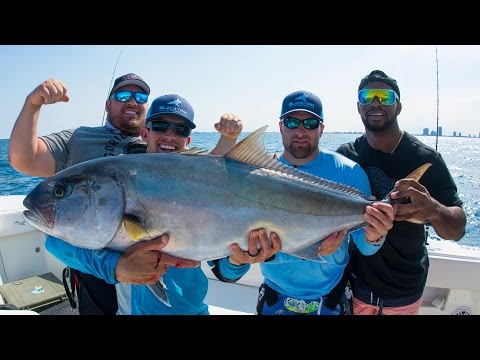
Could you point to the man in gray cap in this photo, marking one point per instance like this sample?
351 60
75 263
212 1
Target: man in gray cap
393 279
293 286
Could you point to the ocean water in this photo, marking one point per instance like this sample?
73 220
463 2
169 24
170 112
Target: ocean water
462 156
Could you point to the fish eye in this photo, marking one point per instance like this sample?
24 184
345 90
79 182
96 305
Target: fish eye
58 192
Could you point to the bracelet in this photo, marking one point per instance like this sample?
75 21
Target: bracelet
377 242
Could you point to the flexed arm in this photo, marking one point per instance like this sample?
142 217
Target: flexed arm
27 153
230 127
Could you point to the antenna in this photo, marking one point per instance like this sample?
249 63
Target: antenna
438 100
111 80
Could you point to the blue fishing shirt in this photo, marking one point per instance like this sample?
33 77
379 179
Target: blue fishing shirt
186 288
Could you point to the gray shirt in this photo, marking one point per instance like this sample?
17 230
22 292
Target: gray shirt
73 146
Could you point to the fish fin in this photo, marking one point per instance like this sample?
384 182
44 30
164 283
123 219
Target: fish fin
310 253
417 174
158 289
251 150
193 151
134 229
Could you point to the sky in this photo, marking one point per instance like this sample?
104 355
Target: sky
249 81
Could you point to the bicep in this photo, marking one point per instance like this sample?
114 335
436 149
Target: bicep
43 163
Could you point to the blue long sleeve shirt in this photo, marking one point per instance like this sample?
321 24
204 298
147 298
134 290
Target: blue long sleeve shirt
304 279
186 288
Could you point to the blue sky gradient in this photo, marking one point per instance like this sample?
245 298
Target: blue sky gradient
248 80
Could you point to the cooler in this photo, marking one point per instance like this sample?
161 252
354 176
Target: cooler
35 293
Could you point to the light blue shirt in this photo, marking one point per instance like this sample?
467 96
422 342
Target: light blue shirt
186 288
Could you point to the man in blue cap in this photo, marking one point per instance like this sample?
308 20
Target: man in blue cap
293 286
168 126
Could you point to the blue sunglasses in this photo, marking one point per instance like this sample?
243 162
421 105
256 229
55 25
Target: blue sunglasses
126 95
309 124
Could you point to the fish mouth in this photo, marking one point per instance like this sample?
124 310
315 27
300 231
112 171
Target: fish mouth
39 219
36 220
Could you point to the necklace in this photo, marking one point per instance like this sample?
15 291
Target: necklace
398 143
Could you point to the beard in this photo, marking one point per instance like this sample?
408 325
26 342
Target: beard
300 153
130 127
377 127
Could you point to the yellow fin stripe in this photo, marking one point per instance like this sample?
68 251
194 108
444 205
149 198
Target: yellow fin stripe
134 230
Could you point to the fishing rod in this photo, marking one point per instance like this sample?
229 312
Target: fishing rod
111 80
438 100
427 227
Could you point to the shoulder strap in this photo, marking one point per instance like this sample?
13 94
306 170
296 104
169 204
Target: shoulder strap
69 288
335 295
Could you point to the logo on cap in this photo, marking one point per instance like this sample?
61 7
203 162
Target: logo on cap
303 97
173 108
131 77
301 101
175 102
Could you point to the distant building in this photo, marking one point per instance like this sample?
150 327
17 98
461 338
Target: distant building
439 131
454 133
425 131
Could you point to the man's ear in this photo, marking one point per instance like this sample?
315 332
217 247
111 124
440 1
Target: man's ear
399 109
321 127
144 133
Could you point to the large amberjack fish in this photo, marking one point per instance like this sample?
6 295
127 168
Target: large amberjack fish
204 202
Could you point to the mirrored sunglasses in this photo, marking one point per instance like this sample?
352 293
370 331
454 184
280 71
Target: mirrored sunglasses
309 124
163 126
384 96
126 95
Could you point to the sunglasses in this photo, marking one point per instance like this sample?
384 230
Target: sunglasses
385 96
126 95
163 126
309 124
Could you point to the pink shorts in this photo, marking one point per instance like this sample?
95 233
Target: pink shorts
361 308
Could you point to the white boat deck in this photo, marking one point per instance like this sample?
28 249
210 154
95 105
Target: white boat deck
453 284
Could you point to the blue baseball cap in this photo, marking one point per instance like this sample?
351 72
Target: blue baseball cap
302 101
171 104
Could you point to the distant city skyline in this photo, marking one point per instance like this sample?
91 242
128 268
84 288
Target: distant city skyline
429 132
